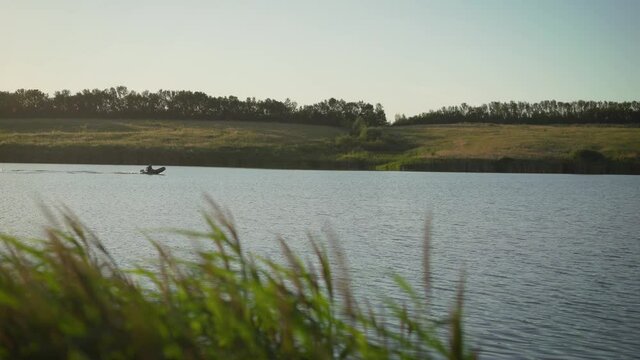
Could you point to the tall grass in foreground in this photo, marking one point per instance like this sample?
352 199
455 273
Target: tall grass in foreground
65 297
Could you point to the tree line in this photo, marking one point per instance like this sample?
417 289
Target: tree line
544 112
120 102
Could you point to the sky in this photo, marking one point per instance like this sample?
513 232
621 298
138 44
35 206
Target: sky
410 56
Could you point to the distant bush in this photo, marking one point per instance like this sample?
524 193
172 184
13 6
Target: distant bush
346 142
65 297
588 155
372 139
370 134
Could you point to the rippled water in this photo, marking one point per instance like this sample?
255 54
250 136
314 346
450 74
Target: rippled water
552 262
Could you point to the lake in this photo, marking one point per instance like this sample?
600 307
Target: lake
552 262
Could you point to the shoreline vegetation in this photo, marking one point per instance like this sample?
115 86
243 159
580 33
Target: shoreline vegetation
66 297
167 127
579 149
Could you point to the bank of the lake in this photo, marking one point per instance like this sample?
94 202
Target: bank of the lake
455 148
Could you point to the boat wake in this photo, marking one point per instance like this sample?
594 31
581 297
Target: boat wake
44 171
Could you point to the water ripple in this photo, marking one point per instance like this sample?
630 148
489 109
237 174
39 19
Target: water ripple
551 261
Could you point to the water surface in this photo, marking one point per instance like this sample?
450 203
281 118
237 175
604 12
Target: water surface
552 262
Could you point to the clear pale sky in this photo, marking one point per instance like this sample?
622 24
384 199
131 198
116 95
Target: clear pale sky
411 56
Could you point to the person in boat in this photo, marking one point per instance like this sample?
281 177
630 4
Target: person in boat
149 169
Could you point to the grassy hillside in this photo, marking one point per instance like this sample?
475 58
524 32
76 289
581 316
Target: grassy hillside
160 133
218 143
488 141
464 147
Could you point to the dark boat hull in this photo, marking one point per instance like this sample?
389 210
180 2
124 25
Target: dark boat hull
153 171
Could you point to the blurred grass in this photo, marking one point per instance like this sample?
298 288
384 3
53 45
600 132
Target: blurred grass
65 297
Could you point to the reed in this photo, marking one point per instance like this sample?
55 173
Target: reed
66 297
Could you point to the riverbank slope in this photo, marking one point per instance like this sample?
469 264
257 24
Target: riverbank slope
461 147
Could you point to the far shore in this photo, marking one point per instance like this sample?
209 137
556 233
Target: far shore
464 148
248 159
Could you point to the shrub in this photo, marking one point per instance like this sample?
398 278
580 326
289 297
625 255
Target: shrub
588 155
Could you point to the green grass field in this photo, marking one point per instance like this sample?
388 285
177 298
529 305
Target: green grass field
473 147
488 141
160 133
